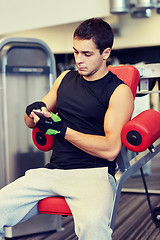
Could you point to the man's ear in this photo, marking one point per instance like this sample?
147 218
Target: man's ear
106 53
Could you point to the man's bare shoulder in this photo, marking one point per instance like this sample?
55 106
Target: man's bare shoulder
59 79
122 99
123 90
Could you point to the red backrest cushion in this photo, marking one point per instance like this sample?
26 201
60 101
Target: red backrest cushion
129 74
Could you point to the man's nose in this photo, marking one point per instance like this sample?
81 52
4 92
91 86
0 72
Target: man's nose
79 58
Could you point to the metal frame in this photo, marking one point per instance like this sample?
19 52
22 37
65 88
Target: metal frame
5 47
127 169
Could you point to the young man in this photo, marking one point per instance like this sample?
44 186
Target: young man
92 105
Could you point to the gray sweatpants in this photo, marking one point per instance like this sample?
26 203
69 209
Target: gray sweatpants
89 193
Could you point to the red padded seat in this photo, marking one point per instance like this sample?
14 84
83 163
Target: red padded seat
142 131
43 142
54 205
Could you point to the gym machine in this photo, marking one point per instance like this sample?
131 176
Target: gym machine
27 71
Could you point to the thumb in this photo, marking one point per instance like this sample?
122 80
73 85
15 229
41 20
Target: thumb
44 109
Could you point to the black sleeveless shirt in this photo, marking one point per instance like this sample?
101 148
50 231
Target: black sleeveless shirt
82 105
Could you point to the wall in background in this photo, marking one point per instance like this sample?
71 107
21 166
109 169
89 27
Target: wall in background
133 33
20 15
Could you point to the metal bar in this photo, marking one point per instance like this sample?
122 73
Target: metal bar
34 42
147 92
146 190
140 191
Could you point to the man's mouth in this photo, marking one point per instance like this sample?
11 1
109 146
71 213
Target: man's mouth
81 68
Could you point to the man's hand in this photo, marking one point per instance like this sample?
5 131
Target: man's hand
35 105
51 124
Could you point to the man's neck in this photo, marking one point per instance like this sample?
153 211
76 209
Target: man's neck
96 76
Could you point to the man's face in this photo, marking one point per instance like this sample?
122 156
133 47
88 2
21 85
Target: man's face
90 63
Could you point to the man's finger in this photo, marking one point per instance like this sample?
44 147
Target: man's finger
36 118
44 109
47 114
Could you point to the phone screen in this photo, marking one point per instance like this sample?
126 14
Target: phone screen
39 113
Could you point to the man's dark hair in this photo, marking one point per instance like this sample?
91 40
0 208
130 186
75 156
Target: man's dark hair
98 30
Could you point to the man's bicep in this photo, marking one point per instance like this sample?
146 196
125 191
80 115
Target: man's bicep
120 110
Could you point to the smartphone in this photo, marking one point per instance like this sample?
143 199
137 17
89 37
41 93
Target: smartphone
39 113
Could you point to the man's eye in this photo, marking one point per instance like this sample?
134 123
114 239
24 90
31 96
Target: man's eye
88 54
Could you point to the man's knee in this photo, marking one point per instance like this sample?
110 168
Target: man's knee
94 225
